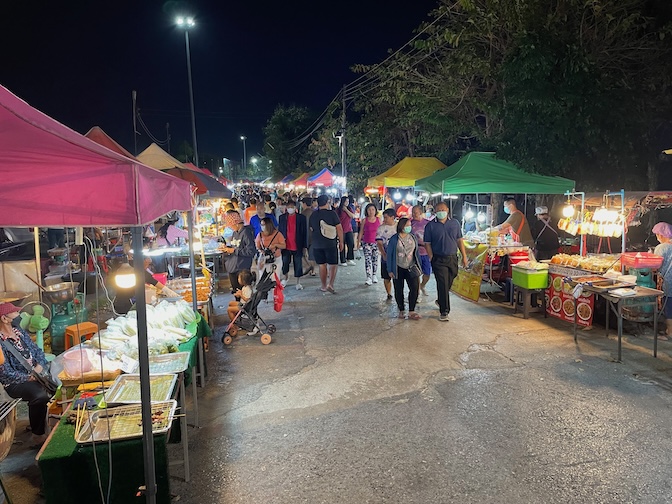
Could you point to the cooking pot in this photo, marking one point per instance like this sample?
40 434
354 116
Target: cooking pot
61 292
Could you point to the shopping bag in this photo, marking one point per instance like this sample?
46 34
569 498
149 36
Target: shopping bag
278 294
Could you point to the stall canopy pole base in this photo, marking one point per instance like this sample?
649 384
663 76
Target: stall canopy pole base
143 358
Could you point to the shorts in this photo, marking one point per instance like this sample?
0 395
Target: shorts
667 307
383 271
326 256
425 265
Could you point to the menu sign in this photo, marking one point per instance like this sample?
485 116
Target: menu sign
560 302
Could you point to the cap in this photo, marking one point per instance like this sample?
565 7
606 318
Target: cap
7 308
232 218
322 199
663 229
540 210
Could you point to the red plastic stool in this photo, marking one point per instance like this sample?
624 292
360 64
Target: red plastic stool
75 332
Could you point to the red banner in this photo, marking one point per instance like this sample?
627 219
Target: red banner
560 302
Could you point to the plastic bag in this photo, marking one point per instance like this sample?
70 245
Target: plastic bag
278 294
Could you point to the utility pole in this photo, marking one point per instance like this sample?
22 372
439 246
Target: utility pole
344 170
168 136
134 96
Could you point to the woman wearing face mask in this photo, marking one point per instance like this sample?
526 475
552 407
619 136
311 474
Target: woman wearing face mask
403 264
272 240
15 378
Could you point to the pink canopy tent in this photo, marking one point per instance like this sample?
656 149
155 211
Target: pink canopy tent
53 176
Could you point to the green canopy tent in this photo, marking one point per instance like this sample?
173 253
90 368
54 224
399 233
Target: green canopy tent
481 172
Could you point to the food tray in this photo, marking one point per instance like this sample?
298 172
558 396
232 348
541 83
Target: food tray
124 422
126 388
639 260
603 285
169 363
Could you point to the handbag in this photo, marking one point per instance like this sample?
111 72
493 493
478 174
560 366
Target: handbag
415 270
327 230
44 378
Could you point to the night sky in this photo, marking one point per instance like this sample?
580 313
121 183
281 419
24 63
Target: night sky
79 60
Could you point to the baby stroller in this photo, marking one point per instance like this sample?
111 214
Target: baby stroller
247 318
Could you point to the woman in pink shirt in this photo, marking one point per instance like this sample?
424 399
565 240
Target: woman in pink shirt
346 216
367 238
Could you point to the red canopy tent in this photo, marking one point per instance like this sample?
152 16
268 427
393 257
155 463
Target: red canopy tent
322 178
53 176
302 180
100 137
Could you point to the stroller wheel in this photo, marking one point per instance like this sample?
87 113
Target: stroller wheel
227 339
271 328
265 338
233 330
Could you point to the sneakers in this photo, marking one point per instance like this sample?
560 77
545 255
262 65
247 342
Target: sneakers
299 287
253 332
375 279
352 263
344 264
284 282
368 281
444 317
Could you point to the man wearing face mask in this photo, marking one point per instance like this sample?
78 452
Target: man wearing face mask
442 239
293 226
255 220
516 222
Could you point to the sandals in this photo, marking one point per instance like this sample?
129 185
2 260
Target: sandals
331 289
414 316
401 315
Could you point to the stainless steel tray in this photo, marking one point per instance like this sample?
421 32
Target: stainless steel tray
126 388
124 422
169 363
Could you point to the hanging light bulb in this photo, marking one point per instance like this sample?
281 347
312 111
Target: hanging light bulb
469 214
125 277
397 196
480 217
568 211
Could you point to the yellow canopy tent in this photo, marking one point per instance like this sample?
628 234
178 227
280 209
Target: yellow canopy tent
407 171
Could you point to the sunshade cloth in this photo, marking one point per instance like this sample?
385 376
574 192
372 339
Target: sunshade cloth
54 176
407 171
302 180
481 172
206 185
100 137
324 177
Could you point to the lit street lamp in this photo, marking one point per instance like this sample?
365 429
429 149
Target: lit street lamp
243 138
186 23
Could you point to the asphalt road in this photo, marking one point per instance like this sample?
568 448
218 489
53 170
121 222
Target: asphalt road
351 405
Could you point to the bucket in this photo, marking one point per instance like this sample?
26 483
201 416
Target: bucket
76 362
517 257
161 277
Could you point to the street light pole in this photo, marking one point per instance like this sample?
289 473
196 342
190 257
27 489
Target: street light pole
243 138
187 23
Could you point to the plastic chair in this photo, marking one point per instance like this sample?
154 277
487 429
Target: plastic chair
75 332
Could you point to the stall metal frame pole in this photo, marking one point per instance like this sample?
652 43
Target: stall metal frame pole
573 195
620 194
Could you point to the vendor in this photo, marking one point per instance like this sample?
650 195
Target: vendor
124 298
545 233
169 234
663 232
17 381
516 223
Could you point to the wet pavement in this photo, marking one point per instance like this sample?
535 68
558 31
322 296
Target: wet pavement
350 404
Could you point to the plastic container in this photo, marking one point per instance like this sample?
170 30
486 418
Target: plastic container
516 257
641 260
530 279
76 362
161 277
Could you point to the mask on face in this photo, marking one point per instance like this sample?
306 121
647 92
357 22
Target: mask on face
407 229
17 322
441 215
428 215
291 210
507 210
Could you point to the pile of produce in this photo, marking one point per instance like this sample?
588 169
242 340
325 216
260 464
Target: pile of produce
165 331
204 287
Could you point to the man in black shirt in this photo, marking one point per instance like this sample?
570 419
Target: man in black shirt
327 241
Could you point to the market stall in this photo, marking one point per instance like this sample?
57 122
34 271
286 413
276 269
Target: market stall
77 182
405 173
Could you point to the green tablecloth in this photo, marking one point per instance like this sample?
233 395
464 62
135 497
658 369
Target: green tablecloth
69 470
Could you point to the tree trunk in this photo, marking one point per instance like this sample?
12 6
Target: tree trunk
652 174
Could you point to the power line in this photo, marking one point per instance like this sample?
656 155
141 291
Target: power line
149 134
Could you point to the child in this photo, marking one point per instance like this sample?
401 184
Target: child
242 295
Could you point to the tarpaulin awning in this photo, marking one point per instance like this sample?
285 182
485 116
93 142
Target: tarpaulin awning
54 176
406 172
286 179
324 178
206 185
302 180
482 172
100 137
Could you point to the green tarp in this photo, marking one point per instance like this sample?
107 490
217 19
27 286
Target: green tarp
481 172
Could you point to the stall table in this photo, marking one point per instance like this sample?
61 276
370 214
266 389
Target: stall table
643 297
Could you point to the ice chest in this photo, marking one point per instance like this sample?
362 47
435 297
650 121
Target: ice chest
530 279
